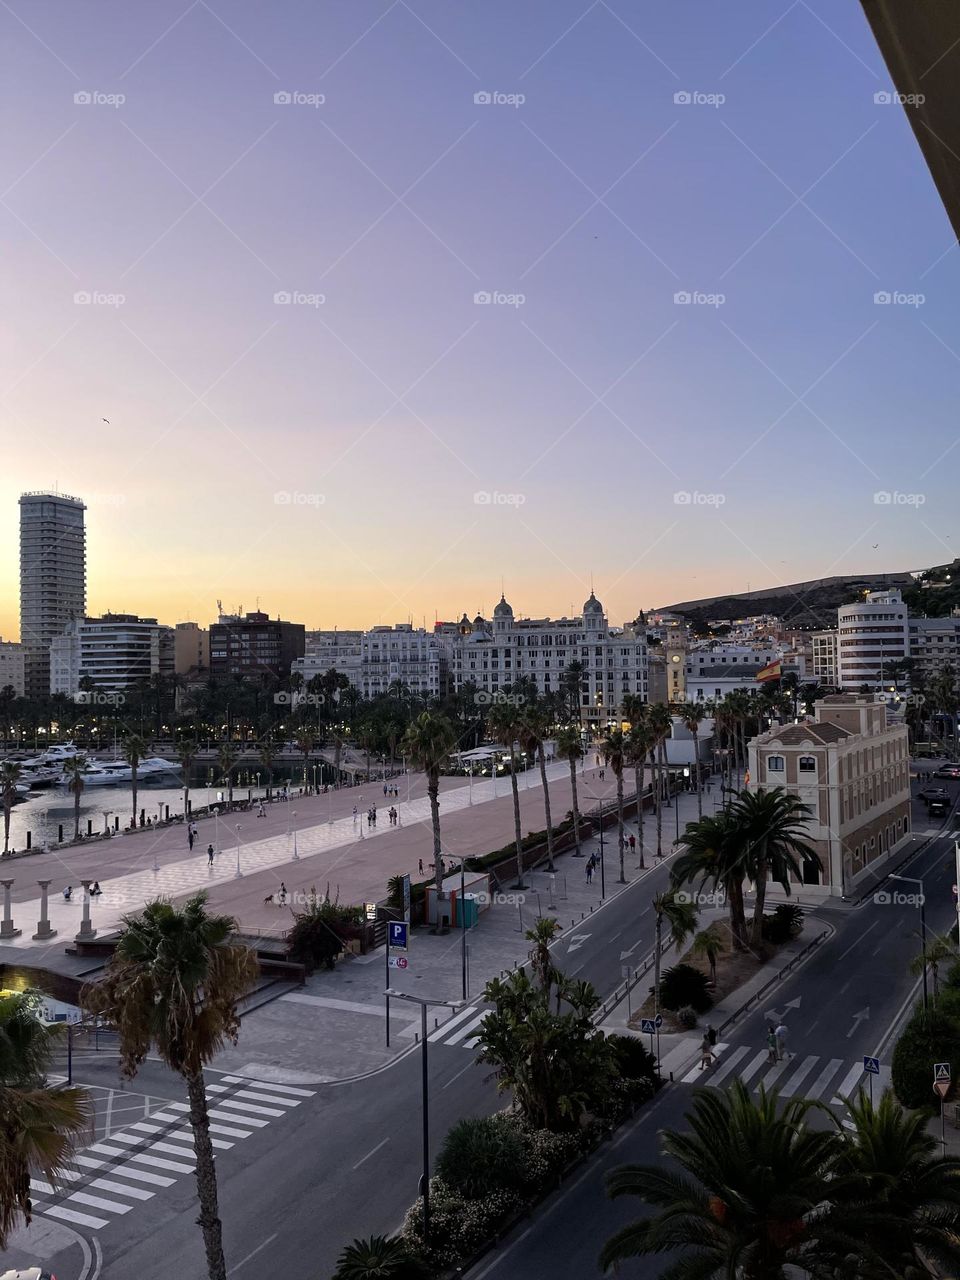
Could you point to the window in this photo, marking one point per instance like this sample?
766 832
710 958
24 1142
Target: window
808 764
774 764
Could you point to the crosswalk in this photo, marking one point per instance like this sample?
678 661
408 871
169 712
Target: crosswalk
116 1175
462 1030
789 1077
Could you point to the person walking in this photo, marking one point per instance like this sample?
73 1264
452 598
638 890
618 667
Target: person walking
590 872
260 810
633 843
282 895
711 1032
771 1043
354 815
420 865
190 837
209 855
780 1035
707 1056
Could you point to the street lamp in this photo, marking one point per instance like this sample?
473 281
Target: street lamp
239 873
923 930
425 1090
296 856
463 928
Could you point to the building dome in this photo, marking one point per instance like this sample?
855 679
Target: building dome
503 610
479 622
593 605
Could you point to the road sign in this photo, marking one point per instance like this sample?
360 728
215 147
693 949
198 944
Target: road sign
658 1021
398 962
397 934
648 1026
941 1071
406 898
871 1066
941 1088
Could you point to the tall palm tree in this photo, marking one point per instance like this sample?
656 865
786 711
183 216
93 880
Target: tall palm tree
713 852
40 1127
427 743
709 944
571 683
935 952
535 723
186 754
305 742
74 770
613 750
772 827
570 748
692 715
504 724
749 1200
134 749
172 986
541 935
661 722
638 747
267 754
9 777
226 763
670 908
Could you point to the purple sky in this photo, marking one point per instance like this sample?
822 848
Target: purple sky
782 406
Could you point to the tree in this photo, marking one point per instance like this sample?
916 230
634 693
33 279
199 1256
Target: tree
759 1191
692 715
428 742
570 748
937 951
226 763
571 683
172 986
186 754
709 944
535 723
680 917
378 1258
134 749
771 826
74 770
40 1126
714 853
9 777
613 750
541 935
639 744
267 754
661 723
305 742
504 723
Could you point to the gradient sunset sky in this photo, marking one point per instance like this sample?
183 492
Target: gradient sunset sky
327 456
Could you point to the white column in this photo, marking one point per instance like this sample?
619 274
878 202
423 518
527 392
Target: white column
6 926
43 925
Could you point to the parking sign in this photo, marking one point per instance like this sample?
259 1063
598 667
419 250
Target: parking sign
397 934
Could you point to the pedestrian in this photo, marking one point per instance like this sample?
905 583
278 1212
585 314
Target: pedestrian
190 838
209 855
96 891
68 893
771 1044
780 1035
283 893
260 810
354 815
707 1057
711 1032
420 865
633 843
384 788
590 872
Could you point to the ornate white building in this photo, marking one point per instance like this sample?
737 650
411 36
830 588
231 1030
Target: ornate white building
495 654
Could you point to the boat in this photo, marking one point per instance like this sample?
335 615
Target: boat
152 766
101 775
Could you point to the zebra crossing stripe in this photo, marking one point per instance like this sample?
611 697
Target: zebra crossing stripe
134 1140
248 1107
154 1179
730 1061
771 1078
221 1129
144 1127
273 1088
71 1215
798 1077
107 1184
825 1076
97 1202
154 1162
253 1096
219 1114
466 1029
754 1066
450 1023
850 1081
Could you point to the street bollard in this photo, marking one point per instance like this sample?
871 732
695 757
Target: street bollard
89 826
29 839
60 833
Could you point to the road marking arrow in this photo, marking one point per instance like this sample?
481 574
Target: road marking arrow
624 954
794 1004
862 1016
577 941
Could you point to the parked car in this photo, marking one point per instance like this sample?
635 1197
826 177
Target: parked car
948 771
938 806
31 1273
931 793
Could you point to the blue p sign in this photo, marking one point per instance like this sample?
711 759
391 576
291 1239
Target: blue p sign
397 935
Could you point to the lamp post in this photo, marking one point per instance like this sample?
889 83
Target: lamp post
923 930
603 881
425 1091
463 928
296 856
239 873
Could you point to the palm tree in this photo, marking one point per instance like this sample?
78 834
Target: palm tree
305 742
714 852
613 750
661 722
267 754
772 827
692 715
709 944
570 683
638 747
541 935
186 754
74 769
751 1198
172 986
378 1258
570 748
428 742
226 763
535 722
936 952
673 908
9 777
40 1127
134 749
504 725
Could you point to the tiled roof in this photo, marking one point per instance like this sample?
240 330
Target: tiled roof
794 735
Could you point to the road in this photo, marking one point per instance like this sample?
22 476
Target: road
302 1172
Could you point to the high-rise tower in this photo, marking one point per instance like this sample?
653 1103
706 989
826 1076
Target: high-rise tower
53 578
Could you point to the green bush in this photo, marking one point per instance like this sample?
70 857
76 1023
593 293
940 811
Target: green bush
926 1039
685 985
784 923
687 1017
948 1002
378 1258
320 930
482 1155
952 978
458 1226
634 1060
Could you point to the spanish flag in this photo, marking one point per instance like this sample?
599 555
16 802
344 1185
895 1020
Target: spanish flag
772 671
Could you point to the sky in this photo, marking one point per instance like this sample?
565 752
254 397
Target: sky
390 303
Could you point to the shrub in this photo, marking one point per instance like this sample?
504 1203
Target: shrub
926 1039
320 930
634 1060
948 1002
483 1155
685 985
458 1226
785 922
378 1258
687 1017
952 978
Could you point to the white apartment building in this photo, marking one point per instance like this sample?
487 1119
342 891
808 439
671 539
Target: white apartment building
872 634
323 650
716 670
494 655
824 659
935 644
12 663
416 658
114 652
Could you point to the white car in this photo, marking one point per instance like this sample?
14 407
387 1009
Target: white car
31 1273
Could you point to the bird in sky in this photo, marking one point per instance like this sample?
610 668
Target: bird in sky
106 420
875 545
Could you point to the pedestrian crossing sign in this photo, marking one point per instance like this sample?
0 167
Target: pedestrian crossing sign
871 1066
647 1026
941 1071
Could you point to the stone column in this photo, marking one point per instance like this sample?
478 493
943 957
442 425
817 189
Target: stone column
43 925
87 931
6 925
